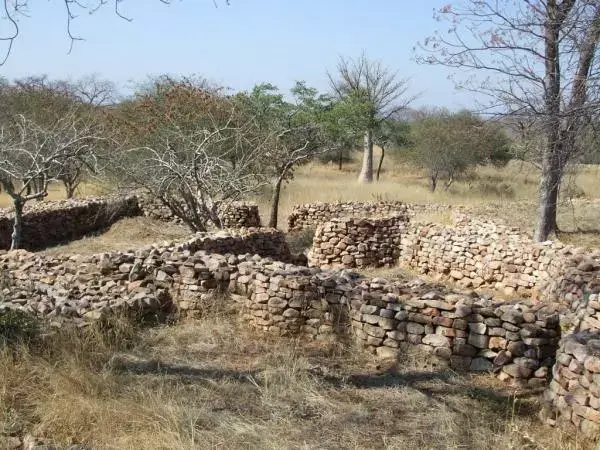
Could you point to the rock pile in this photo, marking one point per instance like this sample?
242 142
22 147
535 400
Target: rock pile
50 223
351 242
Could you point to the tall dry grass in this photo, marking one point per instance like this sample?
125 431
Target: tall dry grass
216 384
508 193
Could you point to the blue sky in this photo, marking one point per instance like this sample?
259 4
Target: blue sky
250 41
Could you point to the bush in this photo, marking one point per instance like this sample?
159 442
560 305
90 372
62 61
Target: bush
17 327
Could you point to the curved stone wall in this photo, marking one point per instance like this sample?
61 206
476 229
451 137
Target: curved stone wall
515 339
352 242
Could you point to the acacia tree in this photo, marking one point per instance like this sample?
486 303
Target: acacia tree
186 144
392 132
33 154
375 94
295 132
539 59
44 101
446 144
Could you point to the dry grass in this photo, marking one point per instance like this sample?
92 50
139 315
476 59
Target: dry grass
128 233
57 192
215 384
507 193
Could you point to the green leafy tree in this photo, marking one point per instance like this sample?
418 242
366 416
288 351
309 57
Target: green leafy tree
295 132
447 144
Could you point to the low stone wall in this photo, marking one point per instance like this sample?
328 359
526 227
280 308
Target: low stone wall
574 392
351 242
471 332
480 253
314 214
51 223
235 215
86 287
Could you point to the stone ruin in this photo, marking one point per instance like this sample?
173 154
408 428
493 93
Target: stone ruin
550 339
50 223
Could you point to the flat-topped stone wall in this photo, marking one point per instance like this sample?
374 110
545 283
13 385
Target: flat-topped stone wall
573 395
314 214
472 252
476 252
238 214
50 223
358 243
574 392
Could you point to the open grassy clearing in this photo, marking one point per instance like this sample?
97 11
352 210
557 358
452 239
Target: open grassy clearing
128 233
215 384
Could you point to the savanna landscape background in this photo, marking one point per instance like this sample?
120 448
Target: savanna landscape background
213 382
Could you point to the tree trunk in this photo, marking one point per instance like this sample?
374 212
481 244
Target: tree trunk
70 189
275 203
433 178
17 233
380 161
366 174
548 196
340 158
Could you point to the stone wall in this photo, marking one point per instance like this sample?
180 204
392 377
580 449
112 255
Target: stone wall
235 215
50 223
352 242
573 396
472 252
85 287
515 339
574 392
314 214
476 252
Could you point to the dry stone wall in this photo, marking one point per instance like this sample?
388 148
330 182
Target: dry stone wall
468 331
573 396
235 215
358 243
51 223
574 392
479 253
473 252
87 287
314 214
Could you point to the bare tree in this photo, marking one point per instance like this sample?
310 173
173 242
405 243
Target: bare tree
93 90
539 59
15 10
190 147
376 93
33 155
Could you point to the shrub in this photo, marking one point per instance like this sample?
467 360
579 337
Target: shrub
17 327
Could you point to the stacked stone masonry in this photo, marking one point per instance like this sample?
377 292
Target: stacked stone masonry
51 223
515 339
473 252
314 214
234 215
358 243
573 396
